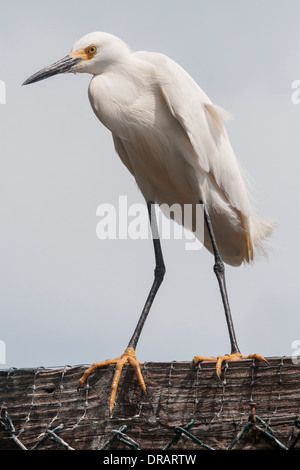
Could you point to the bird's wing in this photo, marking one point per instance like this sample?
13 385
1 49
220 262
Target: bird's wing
121 151
202 122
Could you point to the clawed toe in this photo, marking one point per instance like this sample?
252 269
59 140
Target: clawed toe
127 357
228 357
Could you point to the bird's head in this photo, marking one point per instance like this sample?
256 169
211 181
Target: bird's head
93 54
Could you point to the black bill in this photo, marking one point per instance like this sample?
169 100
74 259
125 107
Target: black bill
61 66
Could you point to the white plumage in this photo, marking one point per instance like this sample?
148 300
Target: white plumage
172 139
170 136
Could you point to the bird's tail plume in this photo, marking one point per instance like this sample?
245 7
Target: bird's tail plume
261 230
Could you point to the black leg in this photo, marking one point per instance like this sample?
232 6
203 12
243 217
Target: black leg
219 270
159 273
129 354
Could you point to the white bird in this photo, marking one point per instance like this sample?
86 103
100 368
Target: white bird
172 139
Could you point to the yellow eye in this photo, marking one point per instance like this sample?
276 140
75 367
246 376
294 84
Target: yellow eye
91 50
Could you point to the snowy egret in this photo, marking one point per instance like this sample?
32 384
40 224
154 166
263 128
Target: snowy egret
171 137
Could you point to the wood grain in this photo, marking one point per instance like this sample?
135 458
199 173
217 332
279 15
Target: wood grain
40 400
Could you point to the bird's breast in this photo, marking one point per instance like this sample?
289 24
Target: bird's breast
154 142
122 105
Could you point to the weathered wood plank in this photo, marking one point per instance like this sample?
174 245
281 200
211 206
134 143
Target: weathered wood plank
39 400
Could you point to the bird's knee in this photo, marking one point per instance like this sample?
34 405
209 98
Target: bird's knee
160 272
219 267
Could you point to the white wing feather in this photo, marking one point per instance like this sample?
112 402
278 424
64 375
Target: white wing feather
203 124
223 188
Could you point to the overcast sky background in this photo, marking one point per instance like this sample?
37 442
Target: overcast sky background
66 296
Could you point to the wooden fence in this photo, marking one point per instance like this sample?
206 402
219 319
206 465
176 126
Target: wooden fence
253 406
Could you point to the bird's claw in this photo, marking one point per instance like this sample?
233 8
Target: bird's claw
228 357
128 356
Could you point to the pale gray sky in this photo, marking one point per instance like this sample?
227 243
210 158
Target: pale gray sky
66 296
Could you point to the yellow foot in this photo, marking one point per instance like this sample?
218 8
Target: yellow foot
128 356
228 357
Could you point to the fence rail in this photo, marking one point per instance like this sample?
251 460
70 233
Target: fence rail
253 406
